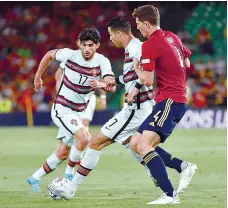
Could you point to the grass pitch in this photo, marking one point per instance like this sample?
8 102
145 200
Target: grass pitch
118 181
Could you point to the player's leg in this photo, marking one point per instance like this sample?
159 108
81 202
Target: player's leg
169 160
88 163
87 117
91 158
81 137
154 162
155 129
110 133
52 162
73 128
185 168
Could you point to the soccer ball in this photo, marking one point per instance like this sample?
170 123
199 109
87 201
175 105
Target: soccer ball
58 182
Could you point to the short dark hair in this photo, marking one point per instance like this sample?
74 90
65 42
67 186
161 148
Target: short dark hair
89 34
148 13
119 23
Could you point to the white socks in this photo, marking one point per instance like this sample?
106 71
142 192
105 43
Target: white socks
52 162
89 162
73 158
39 173
184 165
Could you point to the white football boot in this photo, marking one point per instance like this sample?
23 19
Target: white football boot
164 199
186 177
65 191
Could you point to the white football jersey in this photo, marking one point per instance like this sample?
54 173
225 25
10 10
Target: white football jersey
75 91
134 50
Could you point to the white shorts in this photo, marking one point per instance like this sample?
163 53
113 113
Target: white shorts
124 124
89 111
68 124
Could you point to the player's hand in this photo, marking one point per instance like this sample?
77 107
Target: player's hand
96 84
38 83
137 65
103 102
130 97
110 82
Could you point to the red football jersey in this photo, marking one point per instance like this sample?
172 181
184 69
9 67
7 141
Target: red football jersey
164 52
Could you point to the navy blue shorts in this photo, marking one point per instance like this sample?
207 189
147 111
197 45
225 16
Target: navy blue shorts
164 118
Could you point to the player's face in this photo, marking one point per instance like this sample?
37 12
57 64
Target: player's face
115 38
88 49
142 27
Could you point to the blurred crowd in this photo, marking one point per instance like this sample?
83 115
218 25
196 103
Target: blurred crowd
27 33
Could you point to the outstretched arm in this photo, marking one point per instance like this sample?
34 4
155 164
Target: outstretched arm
46 60
58 77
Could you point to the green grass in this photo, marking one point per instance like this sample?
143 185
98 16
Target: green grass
118 181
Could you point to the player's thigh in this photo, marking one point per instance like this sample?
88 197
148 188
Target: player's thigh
65 137
135 140
99 141
86 122
82 135
69 123
149 138
163 119
122 126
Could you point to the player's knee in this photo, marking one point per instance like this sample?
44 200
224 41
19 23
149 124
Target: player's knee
95 142
62 154
140 148
143 148
83 138
84 141
134 144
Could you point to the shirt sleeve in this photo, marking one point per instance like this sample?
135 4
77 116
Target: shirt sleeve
106 69
149 55
62 65
135 51
63 54
186 51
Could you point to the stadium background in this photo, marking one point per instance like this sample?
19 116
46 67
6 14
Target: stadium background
29 29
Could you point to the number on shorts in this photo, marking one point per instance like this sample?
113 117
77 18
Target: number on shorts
156 116
83 82
115 121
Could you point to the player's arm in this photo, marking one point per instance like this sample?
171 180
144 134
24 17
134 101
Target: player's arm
107 75
103 85
58 54
145 69
58 77
146 77
138 85
103 101
46 60
186 52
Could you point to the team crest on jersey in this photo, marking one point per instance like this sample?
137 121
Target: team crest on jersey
74 122
170 40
